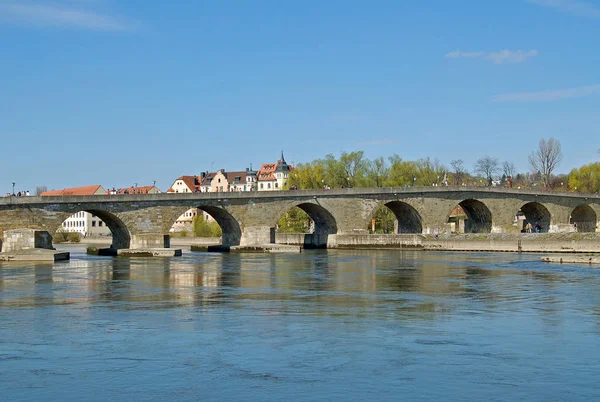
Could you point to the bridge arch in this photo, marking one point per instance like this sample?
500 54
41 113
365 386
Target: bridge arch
584 217
535 213
230 227
121 236
408 219
471 216
316 232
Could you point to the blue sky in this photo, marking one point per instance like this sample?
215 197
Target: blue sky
120 92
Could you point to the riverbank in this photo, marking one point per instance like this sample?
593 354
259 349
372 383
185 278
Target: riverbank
518 242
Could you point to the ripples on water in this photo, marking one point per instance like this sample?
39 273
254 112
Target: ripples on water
336 325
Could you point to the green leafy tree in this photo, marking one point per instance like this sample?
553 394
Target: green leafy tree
585 179
377 172
294 221
203 228
384 221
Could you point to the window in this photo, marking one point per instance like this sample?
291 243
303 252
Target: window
269 185
276 185
219 180
262 185
100 223
93 224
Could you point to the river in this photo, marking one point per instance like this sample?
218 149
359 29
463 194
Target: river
320 325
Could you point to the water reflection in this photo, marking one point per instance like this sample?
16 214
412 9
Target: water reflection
431 326
345 282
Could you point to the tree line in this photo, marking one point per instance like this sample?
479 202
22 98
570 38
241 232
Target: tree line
352 169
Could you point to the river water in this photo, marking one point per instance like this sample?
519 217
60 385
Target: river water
320 325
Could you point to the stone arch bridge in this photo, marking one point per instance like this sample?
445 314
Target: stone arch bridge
249 218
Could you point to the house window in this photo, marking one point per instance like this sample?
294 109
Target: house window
100 223
276 185
93 224
262 185
269 185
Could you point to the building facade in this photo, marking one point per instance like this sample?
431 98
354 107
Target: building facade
273 176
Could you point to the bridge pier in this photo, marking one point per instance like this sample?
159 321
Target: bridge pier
29 245
150 245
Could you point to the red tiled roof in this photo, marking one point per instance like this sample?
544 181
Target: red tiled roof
85 190
189 182
51 193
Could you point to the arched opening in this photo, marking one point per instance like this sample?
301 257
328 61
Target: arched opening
583 219
231 233
306 224
93 225
470 216
214 228
535 218
396 217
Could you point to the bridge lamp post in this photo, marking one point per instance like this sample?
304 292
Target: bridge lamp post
414 181
13 184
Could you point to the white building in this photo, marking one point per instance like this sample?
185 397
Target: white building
273 176
86 224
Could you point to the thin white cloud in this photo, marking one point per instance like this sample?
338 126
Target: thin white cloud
575 7
500 57
65 15
548 95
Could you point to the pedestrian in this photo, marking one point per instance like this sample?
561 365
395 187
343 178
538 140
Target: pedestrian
538 228
575 226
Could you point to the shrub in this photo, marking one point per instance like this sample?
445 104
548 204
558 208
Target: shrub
74 237
60 236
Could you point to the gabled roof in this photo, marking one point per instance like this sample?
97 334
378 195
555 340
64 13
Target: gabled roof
189 182
96 189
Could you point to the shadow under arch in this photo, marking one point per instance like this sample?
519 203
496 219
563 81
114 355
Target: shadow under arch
121 237
585 219
232 233
535 213
478 216
324 225
409 220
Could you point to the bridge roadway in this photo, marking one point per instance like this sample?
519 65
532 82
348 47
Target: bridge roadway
249 218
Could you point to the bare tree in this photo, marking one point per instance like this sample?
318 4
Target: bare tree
545 159
509 169
40 189
458 165
487 167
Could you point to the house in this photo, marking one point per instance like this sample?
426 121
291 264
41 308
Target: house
185 184
83 222
273 176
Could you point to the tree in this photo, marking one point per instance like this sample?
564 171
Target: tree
40 189
509 169
377 172
487 167
585 179
546 158
401 173
458 165
294 221
354 167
